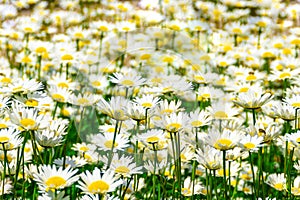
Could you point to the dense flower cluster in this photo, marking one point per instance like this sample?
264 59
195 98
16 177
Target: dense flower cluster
158 99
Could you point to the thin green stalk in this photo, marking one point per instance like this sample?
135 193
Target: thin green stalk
296 113
67 70
224 174
193 177
154 173
215 184
113 145
229 179
290 164
55 109
253 116
4 170
207 183
253 174
39 63
177 140
261 176
211 181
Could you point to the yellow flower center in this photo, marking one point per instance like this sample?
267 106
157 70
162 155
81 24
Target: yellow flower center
278 186
267 54
295 41
168 59
199 78
26 59
244 89
63 85
126 28
79 35
3 126
55 182
251 78
28 29
284 75
145 56
196 123
127 83
96 83
152 139
31 102
111 130
41 50
236 30
98 186
175 27
84 148
296 104
58 97
27 122
262 24
6 80
83 101
109 144
122 170
223 143
67 57
4 139
221 115
173 127
103 28
65 112
249 145
147 105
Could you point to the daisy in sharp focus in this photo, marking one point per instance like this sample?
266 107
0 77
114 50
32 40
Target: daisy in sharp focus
98 182
173 123
52 178
199 118
253 99
148 101
152 137
105 141
225 140
130 79
251 143
125 166
59 94
277 181
27 118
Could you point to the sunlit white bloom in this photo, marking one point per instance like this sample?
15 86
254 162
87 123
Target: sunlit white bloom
98 182
52 178
106 141
277 181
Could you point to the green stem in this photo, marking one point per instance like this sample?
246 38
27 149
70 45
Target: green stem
193 177
207 183
253 115
215 184
253 174
4 170
113 145
177 139
154 173
55 109
224 174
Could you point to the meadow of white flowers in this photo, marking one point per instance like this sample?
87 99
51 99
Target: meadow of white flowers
149 99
